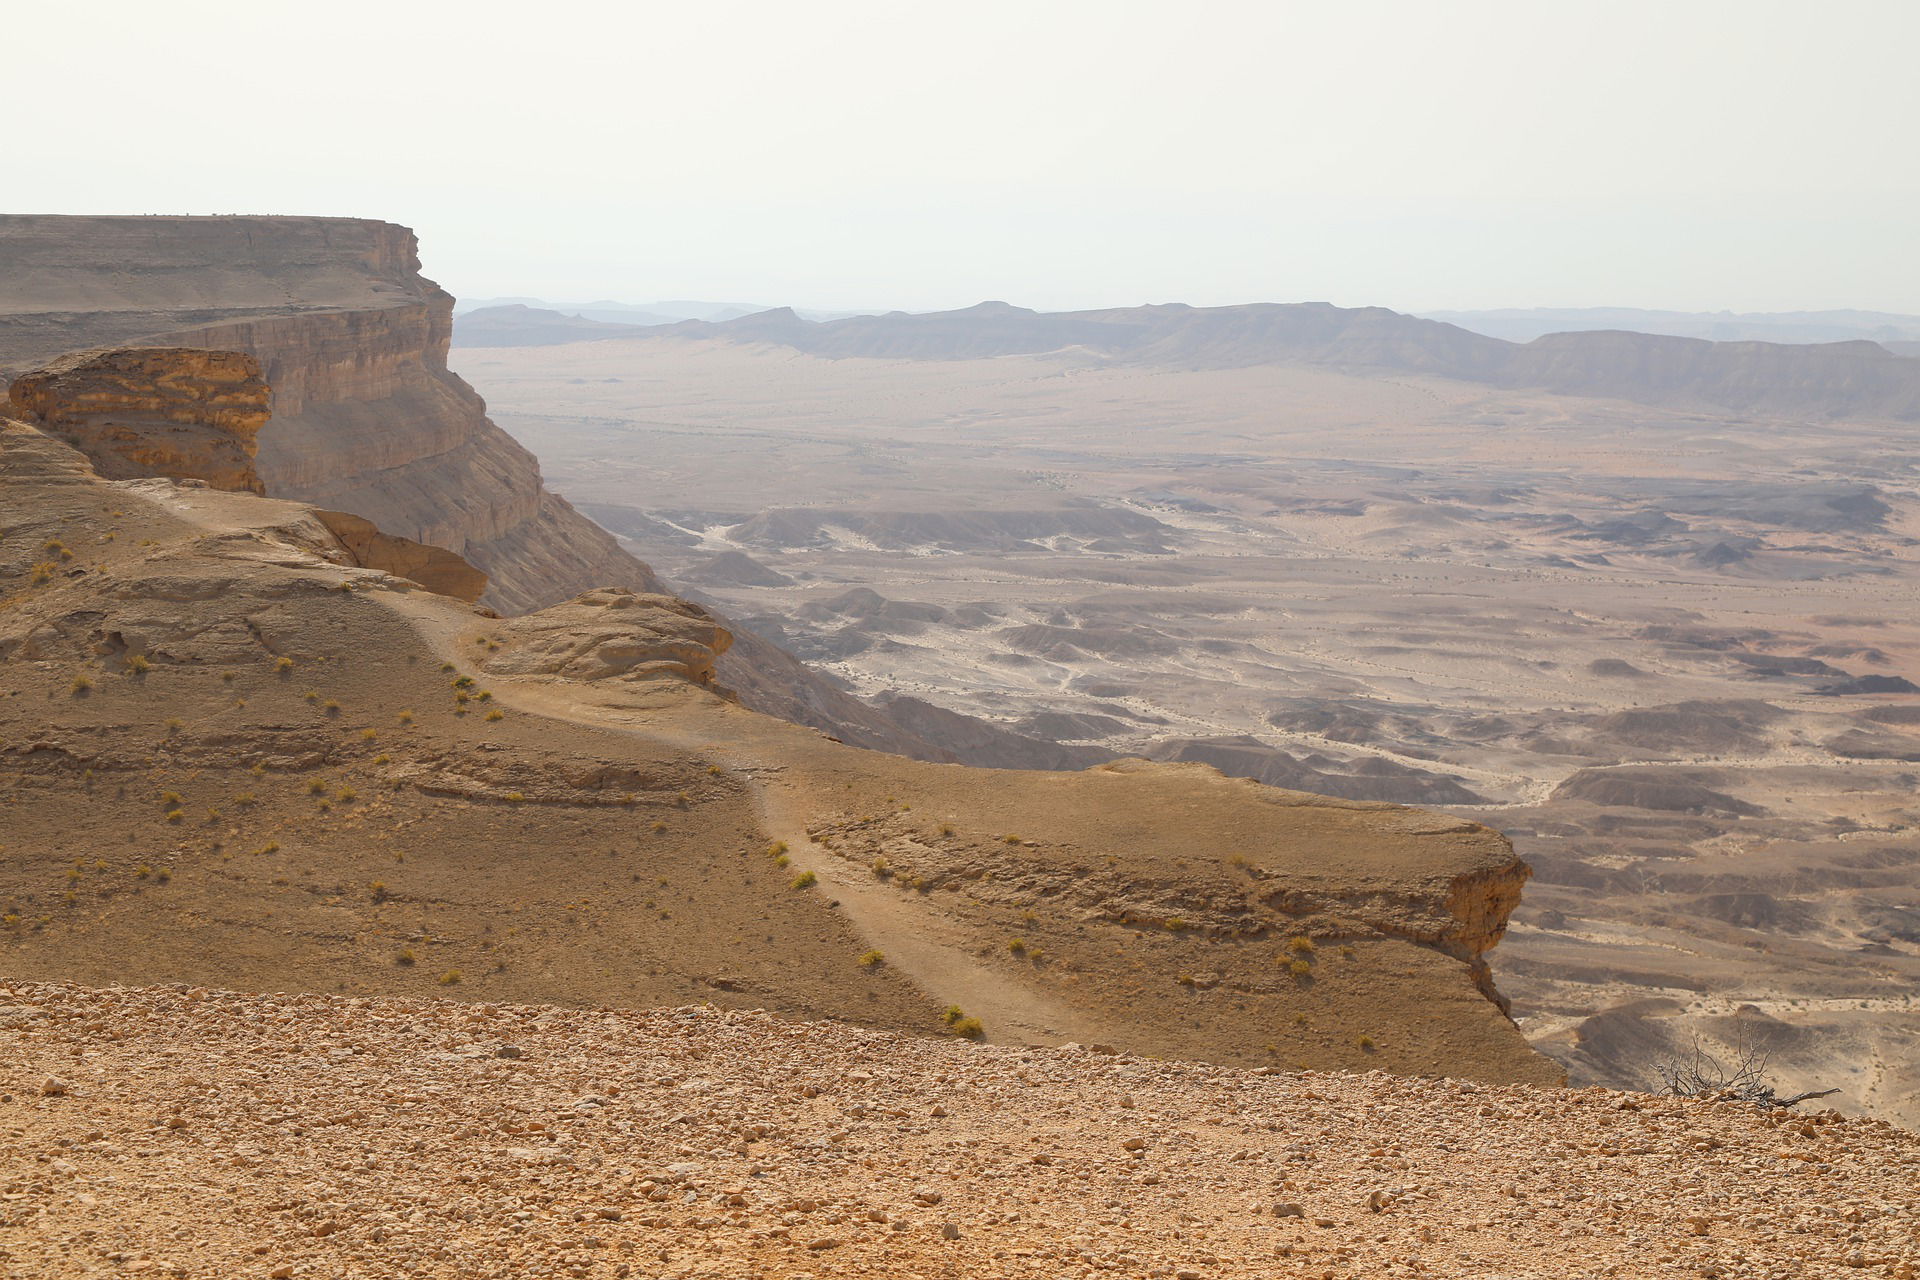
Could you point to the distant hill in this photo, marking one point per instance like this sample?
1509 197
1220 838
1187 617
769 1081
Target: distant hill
1522 324
1855 378
670 311
518 325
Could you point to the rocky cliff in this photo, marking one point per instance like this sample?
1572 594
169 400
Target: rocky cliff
172 411
366 417
352 339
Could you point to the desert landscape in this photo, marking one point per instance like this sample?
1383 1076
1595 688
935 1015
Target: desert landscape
999 642
1667 645
351 1136
1272 789
253 744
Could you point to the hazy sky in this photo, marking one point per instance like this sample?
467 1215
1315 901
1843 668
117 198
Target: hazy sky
1419 154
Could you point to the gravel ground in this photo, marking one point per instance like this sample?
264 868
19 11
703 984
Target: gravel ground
186 1132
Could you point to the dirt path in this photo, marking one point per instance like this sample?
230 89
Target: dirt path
919 942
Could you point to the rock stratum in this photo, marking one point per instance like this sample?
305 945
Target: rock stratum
351 340
146 411
232 753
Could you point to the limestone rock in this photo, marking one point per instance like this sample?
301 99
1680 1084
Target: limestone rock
154 411
435 568
611 634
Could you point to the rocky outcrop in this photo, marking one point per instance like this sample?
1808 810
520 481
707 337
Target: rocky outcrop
611 634
154 411
74 282
367 418
435 568
352 339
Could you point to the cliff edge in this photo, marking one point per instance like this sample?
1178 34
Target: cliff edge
233 753
366 417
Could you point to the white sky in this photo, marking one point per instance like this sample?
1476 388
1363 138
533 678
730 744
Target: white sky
1419 154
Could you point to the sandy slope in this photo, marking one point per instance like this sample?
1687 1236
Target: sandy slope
319 777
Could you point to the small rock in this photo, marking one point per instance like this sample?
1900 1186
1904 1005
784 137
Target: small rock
949 1232
1134 1144
1288 1209
53 1087
509 1051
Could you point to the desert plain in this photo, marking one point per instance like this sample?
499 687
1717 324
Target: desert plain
1667 649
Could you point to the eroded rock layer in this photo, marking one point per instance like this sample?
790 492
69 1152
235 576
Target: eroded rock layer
611 634
366 418
435 568
154 411
352 339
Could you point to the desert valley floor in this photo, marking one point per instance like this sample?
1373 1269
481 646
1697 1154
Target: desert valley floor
1668 652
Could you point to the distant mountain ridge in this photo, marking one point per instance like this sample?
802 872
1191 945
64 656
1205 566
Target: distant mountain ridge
1856 378
1524 324
517 325
671 311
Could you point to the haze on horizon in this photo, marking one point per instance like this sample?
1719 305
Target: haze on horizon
1751 156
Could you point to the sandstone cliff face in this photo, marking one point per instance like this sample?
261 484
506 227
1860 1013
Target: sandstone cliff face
72 282
612 634
367 418
154 411
352 339
435 568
